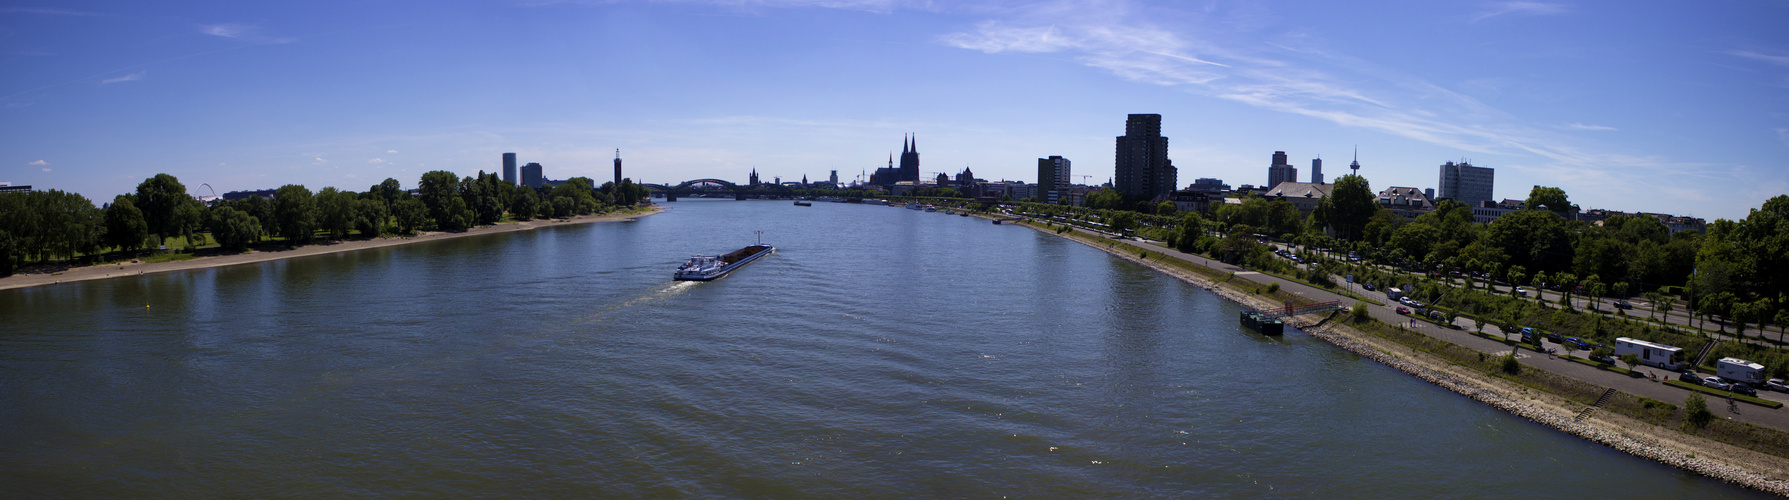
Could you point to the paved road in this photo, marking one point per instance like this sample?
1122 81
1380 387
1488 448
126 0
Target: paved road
1778 418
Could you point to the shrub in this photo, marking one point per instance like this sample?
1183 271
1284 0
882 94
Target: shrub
1273 287
1358 314
1510 365
1696 412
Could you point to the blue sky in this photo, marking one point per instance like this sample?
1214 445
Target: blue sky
1677 107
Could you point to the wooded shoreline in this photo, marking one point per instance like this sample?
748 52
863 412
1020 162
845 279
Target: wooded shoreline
50 275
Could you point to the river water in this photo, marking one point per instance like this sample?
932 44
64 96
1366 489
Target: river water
881 352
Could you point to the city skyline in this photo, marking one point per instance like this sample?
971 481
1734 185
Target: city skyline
1690 119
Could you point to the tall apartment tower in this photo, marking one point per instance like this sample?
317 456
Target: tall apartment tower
532 176
1280 171
617 168
1316 171
909 159
1052 178
1465 183
835 178
1142 168
509 168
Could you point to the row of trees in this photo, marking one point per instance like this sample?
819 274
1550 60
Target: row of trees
52 225
1734 269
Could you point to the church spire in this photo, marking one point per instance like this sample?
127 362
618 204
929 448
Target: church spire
915 143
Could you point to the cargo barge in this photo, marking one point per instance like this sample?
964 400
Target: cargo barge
713 267
1263 323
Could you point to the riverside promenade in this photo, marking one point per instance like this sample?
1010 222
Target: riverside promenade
1777 418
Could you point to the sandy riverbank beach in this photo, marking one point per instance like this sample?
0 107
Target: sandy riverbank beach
37 276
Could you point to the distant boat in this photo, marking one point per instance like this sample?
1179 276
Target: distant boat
914 206
800 203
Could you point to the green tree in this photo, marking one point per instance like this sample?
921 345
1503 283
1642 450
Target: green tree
335 212
1351 204
436 190
1122 221
370 217
1630 359
1551 197
1166 209
526 204
234 229
125 226
1535 239
296 210
1105 199
167 209
389 191
410 214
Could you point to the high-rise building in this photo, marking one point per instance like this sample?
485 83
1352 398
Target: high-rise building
617 168
532 176
509 168
910 159
1052 178
835 178
1316 171
1280 171
1465 183
1142 169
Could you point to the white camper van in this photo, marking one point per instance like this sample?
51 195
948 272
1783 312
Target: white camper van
1739 370
1659 355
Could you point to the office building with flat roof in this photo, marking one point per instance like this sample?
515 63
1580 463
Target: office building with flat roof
1465 183
532 176
509 168
1142 168
1280 171
1052 178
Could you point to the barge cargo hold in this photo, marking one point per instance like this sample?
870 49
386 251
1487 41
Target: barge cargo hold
712 267
1262 323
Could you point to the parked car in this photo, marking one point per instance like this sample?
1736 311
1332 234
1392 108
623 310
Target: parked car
1556 338
1622 304
1416 304
1521 291
1742 388
1578 344
1776 384
1403 310
1716 382
1367 286
1689 375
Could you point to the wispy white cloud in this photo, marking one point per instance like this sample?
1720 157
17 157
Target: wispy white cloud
1777 59
46 169
1304 76
244 32
391 151
378 161
47 11
1495 9
126 78
38 163
1580 126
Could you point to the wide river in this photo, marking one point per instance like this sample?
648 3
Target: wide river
880 353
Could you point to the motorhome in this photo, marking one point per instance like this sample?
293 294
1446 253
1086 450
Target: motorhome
1739 370
1651 354
1394 293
